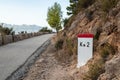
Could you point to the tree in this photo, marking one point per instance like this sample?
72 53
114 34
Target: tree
6 30
45 29
72 8
65 21
54 16
78 5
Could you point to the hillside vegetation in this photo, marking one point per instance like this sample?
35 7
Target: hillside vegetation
101 18
6 30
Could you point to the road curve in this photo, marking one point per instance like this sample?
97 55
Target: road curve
15 54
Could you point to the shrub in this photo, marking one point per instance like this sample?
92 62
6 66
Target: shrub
45 29
106 5
6 30
106 50
65 21
78 5
85 3
95 70
89 14
104 53
97 34
69 50
69 46
72 7
59 44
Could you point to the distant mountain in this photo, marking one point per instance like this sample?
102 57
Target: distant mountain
24 27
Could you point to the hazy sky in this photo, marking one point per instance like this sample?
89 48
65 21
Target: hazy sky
28 11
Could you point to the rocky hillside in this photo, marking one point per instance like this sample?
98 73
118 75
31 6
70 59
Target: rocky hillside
104 23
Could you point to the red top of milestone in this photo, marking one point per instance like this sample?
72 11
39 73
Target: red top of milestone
86 35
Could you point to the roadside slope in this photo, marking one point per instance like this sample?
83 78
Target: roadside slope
48 68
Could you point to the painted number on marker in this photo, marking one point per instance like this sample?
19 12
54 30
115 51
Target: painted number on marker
85 44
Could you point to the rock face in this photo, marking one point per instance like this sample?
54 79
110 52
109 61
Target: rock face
105 64
112 69
106 30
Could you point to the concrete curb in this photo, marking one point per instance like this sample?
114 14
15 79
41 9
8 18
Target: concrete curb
23 69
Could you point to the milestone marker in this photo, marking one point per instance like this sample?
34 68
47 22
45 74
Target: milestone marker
85 48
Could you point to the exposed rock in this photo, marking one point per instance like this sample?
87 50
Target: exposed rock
84 22
78 18
94 26
118 21
112 69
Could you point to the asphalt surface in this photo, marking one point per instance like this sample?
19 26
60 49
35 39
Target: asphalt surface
15 54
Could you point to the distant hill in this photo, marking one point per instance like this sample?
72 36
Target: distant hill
24 27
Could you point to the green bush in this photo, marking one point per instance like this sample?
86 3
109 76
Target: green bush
71 8
104 53
95 70
65 21
107 5
45 29
106 50
78 5
85 3
6 30
59 44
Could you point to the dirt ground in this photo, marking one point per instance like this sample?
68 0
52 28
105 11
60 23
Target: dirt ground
48 68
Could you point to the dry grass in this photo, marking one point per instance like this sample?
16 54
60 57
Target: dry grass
95 70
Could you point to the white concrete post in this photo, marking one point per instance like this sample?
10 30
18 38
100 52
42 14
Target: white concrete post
85 48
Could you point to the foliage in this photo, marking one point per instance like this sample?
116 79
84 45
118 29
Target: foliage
107 5
59 44
106 50
77 5
67 50
6 30
97 34
45 29
72 7
95 70
65 21
69 45
54 16
89 14
85 3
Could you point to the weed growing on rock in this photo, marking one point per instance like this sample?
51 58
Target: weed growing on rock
106 50
97 34
59 44
107 5
95 70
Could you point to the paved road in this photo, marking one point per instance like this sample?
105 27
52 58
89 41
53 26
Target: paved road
15 54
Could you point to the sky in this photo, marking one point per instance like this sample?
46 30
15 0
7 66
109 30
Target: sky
28 11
